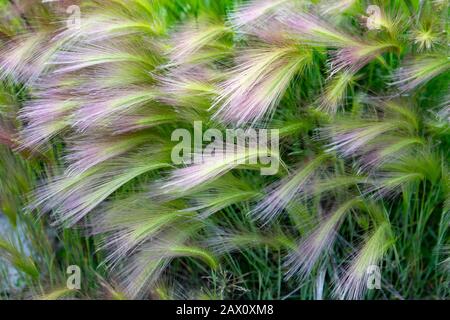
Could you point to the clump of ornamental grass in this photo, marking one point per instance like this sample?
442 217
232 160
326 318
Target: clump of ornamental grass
359 94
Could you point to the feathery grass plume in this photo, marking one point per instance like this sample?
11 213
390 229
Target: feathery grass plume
394 176
18 259
212 167
335 92
46 116
389 148
101 27
128 223
93 150
351 137
281 193
302 260
54 110
257 83
223 192
24 59
316 31
28 44
375 140
272 33
108 108
252 12
339 182
142 120
353 283
358 136
112 20
352 52
331 7
417 71
198 41
85 56
153 258
31 56
191 86
353 58
108 77
70 198
227 241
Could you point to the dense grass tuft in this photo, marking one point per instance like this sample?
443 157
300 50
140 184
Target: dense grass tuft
359 91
